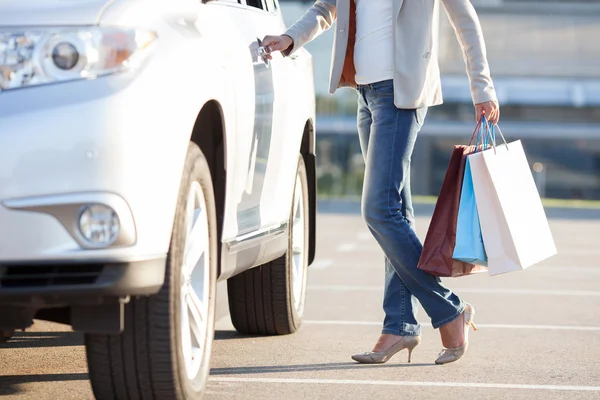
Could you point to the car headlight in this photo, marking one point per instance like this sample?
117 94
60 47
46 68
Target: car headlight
34 56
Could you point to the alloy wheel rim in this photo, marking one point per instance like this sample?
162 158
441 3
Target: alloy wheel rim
298 245
195 276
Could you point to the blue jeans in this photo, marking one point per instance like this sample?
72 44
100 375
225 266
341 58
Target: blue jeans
387 137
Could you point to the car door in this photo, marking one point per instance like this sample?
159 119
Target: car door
278 182
294 98
249 216
277 140
248 221
276 137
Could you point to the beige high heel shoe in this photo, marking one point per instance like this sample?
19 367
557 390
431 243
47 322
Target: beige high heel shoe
378 357
453 354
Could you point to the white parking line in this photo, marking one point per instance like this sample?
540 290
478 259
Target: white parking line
364 236
321 264
491 326
570 251
593 270
536 292
407 383
346 247
378 263
219 393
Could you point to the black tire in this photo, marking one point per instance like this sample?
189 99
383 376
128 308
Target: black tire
146 360
5 335
261 300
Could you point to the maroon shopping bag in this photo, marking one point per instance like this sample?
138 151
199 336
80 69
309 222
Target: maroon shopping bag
440 240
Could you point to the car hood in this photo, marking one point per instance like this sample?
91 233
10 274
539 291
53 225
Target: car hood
50 12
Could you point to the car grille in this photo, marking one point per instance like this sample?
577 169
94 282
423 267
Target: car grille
48 275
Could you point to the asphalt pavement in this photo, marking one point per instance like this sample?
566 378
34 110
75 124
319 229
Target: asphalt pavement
538 338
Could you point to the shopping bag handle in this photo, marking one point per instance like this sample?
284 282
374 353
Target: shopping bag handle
490 133
482 135
501 135
477 129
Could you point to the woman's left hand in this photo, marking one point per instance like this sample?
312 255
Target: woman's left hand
490 109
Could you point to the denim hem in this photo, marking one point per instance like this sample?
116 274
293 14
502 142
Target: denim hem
443 322
397 332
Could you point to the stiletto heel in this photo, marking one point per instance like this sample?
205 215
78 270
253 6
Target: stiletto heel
451 355
475 328
410 350
378 357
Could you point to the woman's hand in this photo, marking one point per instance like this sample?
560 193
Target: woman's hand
276 43
490 109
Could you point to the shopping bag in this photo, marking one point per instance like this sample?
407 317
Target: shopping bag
469 245
438 247
514 225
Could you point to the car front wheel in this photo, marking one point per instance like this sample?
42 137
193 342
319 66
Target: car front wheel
164 350
269 299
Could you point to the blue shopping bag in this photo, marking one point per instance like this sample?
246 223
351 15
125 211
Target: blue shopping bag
469 245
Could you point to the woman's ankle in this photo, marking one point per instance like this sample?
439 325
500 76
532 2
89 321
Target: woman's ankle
453 333
386 340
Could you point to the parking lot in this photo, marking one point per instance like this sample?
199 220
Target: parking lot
539 333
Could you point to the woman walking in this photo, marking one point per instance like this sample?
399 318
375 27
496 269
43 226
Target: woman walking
386 50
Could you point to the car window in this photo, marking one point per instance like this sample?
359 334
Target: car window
225 1
257 4
271 5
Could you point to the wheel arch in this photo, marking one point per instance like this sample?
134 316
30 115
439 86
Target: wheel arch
209 134
307 149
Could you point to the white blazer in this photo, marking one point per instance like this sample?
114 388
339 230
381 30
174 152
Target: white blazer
416 70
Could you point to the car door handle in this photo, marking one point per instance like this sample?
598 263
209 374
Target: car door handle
262 52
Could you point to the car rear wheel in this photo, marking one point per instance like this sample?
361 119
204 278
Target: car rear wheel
269 299
164 351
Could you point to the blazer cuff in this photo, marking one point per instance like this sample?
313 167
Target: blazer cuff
485 95
293 33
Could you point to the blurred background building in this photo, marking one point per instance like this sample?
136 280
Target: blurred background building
545 62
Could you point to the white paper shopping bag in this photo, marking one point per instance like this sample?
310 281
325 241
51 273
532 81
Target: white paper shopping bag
513 222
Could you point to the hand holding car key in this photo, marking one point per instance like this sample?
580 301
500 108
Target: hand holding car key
275 43
263 52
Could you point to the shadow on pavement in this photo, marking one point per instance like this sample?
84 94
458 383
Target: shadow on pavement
22 340
9 383
307 367
226 335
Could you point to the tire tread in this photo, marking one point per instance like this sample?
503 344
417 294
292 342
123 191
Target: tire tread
261 300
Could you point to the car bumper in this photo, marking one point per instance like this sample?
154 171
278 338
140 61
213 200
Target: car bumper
66 282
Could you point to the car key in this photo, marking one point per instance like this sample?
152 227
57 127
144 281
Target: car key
262 51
